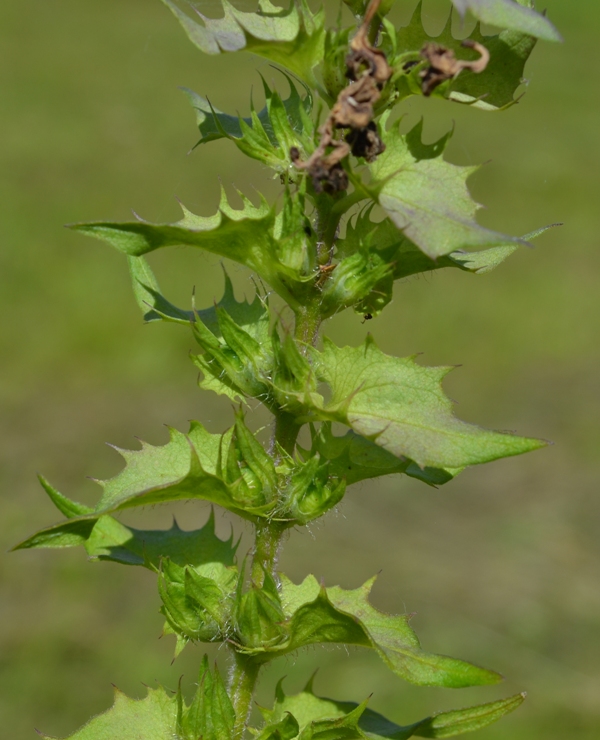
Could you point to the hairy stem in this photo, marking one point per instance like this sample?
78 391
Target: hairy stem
245 669
269 533
242 682
285 434
308 321
266 549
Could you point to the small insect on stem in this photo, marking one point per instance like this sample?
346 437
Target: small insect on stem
324 272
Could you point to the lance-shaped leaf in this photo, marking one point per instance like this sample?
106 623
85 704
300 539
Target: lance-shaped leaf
459 721
221 469
335 615
112 540
492 89
253 318
235 336
210 715
292 37
354 458
310 614
518 16
188 466
152 718
401 406
214 124
305 707
250 236
404 258
105 538
387 246
427 198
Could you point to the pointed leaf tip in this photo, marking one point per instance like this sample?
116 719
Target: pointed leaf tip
517 16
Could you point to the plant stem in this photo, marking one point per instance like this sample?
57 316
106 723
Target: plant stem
266 549
285 434
308 321
245 669
269 533
242 682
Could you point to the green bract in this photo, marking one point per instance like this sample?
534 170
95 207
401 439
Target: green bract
363 204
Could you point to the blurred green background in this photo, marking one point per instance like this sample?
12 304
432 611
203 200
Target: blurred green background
501 565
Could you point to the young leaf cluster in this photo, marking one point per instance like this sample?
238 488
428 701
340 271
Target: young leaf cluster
363 204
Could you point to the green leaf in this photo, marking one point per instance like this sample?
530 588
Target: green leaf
386 245
390 636
510 14
427 197
492 89
112 540
458 721
198 465
188 466
311 614
292 37
401 407
267 135
305 707
148 296
152 718
213 124
355 458
210 715
105 538
286 728
251 236
317 719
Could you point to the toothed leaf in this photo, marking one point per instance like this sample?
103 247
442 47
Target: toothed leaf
427 197
401 406
310 614
518 16
336 615
292 37
148 296
250 236
386 245
355 458
492 89
306 707
152 718
105 538
315 718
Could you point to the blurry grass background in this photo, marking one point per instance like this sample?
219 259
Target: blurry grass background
501 565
